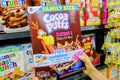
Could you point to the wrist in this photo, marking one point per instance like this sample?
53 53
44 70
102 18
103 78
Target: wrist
93 73
92 70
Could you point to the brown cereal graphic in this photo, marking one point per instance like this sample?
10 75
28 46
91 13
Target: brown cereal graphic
63 66
70 46
16 74
46 40
14 17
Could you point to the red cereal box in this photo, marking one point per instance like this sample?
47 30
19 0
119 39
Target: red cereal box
89 46
93 12
81 4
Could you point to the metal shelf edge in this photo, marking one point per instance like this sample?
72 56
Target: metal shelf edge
16 35
88 28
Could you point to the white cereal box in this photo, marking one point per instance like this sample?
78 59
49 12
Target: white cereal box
11 63
29 66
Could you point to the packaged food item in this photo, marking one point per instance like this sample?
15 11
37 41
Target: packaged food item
89 46
112 72
14 16
93 12
56 38
81 4
113 13
104 71
119 73
12 63
28 60
112 53
82 12
115 33
48 2
104 12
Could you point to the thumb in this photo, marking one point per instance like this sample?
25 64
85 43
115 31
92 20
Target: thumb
82 58
34 78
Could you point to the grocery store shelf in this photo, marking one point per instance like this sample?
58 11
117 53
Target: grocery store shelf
17 35
101 67
88 28
79 75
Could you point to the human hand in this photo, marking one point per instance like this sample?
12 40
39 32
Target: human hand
89 66
34 78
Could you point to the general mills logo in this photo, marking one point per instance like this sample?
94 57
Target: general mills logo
30 9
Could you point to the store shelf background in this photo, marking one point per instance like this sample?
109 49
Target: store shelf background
23 37
27 33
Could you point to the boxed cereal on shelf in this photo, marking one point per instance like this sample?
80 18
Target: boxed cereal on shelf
48 2
56 37
81 4
93 12
28 60
119 73
14 16
89 46
12 63
112 73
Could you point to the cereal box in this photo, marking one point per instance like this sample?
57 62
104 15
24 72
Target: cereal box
14 16
81 4
12 63
112 72
104 12
28 56
48 2
89 46
119 73
56 36
93 12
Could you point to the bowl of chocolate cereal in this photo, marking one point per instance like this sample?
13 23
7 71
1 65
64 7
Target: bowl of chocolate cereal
15 19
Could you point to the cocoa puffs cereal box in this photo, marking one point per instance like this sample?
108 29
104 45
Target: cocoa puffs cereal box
12 63
56 37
